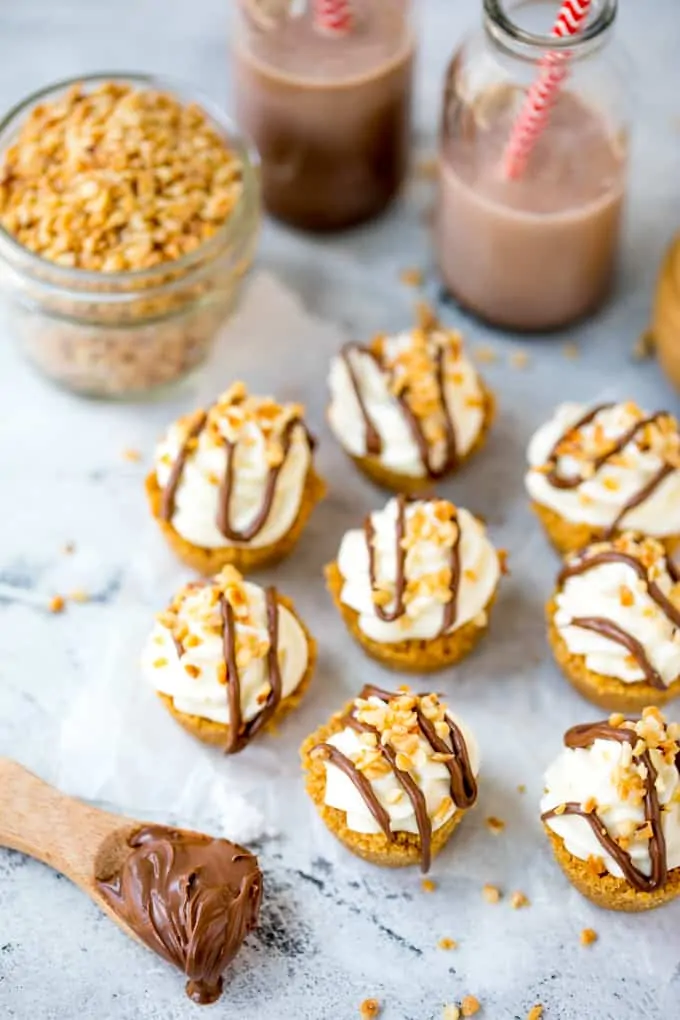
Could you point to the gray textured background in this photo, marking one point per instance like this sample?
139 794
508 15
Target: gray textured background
334 931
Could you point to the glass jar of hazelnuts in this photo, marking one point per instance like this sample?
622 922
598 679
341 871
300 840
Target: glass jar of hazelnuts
129 213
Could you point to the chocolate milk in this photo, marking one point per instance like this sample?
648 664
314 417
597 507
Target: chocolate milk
330 115
538 252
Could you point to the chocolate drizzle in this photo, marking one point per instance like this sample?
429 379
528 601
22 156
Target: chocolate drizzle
372 436
400 580
223 519
240 732
611 630
584 736
190 898
463 784
559 481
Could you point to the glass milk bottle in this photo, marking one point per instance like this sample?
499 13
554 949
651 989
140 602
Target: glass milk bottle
529 209
323 88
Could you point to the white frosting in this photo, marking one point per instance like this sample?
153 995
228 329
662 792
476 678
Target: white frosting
424 618
204 695
580 774
400 453
597 501
432 777
597 592
196 499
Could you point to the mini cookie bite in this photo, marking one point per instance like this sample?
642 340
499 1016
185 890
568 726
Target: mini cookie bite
235 484
392 775
614 623
229 659
416 583
611 809
594 473
409 408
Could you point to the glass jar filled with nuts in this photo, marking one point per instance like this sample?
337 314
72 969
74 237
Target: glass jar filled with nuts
129 212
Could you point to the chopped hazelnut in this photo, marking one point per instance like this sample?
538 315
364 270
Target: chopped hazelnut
411 277
57 604
447 943
470 1005
519 359
535 1013
495 825
484 354
78 595
491 893
451 1012
132 455
369 1008
588 936
428 886
519 900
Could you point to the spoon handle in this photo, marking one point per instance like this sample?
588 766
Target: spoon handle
39 821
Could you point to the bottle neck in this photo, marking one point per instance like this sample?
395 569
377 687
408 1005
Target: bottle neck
503 21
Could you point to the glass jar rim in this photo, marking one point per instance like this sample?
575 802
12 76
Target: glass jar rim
502 25
72 276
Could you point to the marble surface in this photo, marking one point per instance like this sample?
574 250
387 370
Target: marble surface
334 931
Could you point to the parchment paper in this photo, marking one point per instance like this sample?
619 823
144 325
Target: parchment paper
332 921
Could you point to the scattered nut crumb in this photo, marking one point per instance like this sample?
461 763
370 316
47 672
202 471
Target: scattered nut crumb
427 885
644 346
503 561
588 936
519 900
571 351
521 788
447 943
369 1008
129 453
494 824
411 277
470 1005
491 893
485 355
535 1013
78 595
427 167
57 604
451 1012
69 549
519 359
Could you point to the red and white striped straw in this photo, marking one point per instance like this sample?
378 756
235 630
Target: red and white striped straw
554 68
334 17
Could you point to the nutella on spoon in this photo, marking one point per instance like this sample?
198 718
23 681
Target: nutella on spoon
189 897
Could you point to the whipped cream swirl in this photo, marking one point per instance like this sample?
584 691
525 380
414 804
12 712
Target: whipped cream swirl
621 468
243 467
618 606
184 656
413 401
606 780
401 763
436 577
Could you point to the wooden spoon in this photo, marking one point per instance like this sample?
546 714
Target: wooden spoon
190 897
80 841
